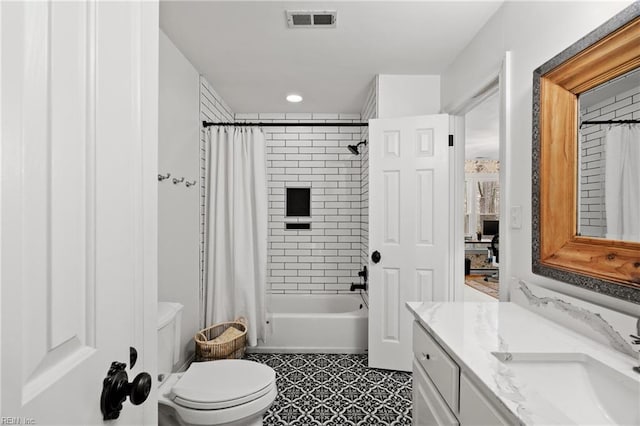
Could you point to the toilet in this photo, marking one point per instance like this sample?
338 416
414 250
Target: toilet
225 392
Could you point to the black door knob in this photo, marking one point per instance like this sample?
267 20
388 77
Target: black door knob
375 256
116 388
140 388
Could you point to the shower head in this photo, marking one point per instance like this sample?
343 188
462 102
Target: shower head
354 148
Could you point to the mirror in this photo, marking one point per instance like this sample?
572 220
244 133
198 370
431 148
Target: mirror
609 159
563 246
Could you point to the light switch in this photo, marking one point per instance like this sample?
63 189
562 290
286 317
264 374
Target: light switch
516 217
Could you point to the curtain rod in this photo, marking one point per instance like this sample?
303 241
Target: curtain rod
206 124
609 122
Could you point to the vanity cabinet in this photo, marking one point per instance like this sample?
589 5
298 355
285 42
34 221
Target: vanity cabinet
443 394
429 408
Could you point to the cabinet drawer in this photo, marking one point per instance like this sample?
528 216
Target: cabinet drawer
475 409
442 370
429 409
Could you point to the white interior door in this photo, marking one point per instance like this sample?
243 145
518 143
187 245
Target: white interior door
408 226
78 206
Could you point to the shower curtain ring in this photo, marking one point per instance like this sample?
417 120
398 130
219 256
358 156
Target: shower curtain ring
176 180
161 177
188 184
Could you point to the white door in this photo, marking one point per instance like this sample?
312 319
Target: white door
78 206
408 227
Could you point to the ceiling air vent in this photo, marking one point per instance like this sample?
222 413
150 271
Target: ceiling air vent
311 18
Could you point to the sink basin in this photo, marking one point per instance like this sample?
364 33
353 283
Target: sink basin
580 388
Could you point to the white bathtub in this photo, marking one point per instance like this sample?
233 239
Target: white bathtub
331 323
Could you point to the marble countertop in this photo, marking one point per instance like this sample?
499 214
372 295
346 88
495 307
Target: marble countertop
470 332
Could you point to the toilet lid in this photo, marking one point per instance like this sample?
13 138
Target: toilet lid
222 384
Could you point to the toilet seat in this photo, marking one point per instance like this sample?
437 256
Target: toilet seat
222 384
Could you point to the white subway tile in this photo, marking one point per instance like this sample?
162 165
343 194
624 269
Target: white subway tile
271 116
299 129
297 252
246 116
315 150
299 157
312 137
313 163
297 266
297 279
337 273
299 143
325 116
298 116
283 273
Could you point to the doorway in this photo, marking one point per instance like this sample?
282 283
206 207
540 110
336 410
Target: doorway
481 199
488 111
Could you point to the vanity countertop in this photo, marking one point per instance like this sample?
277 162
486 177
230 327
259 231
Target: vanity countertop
470 332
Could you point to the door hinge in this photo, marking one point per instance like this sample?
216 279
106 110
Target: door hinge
450 140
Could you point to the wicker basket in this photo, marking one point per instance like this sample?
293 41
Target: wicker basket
207 349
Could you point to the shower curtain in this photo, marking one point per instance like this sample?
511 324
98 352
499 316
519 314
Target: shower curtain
236 269
622 182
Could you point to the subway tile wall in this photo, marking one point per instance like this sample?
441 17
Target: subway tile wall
369 111
212 108
326 258
623 106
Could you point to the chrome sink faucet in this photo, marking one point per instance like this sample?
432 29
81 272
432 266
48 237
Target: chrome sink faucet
636 341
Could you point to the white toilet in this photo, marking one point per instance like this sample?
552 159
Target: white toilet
225 392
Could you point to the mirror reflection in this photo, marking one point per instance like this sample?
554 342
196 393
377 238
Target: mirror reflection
609 159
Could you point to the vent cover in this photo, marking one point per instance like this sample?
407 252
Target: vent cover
311 18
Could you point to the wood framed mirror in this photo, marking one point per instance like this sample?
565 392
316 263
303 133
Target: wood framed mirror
607 266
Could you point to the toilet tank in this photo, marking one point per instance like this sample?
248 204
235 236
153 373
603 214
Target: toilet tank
169 319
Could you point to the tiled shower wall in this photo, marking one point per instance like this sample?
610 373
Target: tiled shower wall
326 258
212 108
369 111
592 194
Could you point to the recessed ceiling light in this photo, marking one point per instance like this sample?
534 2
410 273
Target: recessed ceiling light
294 98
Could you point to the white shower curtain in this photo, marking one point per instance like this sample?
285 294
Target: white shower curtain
237 228
622 183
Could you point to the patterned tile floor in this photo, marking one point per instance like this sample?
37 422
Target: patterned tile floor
335 389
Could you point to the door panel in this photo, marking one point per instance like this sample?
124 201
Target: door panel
391 318
409 225
71 221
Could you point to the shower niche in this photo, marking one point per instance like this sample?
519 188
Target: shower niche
298 202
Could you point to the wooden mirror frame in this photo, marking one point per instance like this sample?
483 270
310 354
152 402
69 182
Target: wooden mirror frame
607 266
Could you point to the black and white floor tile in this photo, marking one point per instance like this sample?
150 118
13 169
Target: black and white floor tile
335 389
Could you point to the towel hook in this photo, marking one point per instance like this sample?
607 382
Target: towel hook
188 184
176 180
161 177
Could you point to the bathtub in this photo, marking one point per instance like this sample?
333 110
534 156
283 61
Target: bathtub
327 323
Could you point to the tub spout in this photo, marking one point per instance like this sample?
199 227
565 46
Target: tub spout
355 287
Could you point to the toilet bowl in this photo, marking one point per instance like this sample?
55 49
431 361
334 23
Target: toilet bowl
225 392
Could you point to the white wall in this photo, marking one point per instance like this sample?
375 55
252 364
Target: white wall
178 206
407 95
534 32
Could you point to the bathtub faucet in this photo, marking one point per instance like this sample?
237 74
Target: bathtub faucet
355 286
364 274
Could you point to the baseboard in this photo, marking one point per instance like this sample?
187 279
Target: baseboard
304 350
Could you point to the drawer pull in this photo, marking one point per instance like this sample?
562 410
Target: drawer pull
425 356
